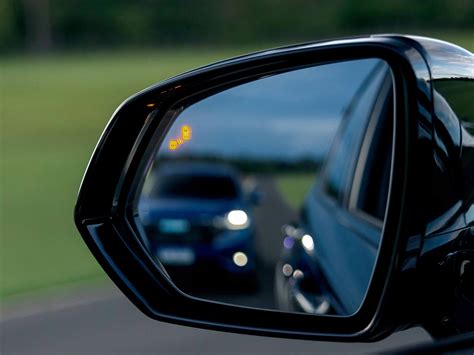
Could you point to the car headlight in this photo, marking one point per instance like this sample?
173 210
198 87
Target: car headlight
308 242
237 219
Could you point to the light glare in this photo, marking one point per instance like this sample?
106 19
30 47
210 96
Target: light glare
307 242
237 218
240 259
287 270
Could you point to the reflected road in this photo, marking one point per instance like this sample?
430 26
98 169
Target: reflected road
270 216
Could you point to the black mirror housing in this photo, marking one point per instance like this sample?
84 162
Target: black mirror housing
105 211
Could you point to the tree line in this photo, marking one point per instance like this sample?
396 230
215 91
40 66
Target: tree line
42 25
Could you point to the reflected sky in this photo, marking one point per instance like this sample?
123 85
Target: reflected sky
293 115
447 60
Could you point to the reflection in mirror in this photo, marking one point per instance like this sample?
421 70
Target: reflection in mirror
272 194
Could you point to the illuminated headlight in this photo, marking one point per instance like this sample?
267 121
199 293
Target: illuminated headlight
307 242
240 259
237 219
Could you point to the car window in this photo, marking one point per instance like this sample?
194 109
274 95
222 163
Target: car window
194 186
345 149
370 187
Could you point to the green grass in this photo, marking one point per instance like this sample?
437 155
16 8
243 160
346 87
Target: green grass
53 110
294 188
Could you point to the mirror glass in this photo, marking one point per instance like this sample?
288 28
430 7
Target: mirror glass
272 193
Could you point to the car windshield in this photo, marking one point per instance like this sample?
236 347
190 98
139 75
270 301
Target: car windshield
195 187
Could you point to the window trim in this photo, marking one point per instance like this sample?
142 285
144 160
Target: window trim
354 193
343 198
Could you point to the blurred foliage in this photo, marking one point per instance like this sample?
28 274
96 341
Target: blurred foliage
252 166
112 23
8 26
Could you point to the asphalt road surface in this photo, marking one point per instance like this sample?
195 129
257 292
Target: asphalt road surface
270 216
103 321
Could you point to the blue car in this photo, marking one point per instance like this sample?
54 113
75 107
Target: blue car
197 214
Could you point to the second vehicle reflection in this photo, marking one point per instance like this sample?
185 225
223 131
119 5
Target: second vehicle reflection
198 214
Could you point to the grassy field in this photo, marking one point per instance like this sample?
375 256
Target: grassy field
52 112
294 188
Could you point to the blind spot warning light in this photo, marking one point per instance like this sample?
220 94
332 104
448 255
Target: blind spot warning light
173 145
186 134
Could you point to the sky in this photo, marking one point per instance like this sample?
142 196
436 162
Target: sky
293 115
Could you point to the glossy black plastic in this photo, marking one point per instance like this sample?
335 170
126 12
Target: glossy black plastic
446 288
105 213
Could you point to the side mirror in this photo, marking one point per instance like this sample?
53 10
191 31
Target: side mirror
339 130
